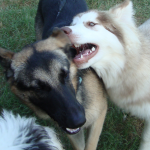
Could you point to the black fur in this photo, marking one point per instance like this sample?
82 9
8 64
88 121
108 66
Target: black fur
57 96
53 94
57 13
52 14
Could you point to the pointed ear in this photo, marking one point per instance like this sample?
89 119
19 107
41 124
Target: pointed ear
5 57
5 61
124 12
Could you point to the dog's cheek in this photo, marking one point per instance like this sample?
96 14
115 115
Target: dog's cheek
73 70
73 75
24 97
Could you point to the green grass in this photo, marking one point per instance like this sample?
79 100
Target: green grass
17 30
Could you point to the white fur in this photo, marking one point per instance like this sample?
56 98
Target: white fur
125 14
123 66
87 35
14 132
145 28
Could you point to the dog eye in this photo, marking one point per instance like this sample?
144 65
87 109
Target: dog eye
91 24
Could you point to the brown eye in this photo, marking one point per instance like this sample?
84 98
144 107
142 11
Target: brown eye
91 24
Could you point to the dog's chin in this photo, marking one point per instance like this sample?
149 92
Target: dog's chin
84 53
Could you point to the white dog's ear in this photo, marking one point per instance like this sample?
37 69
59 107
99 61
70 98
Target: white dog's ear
124 12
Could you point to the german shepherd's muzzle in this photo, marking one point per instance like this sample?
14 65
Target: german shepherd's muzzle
40 76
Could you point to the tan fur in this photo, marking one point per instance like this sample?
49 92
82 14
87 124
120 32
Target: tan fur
19 59
96 110
5 53
95 103
56 40
73 72
24 97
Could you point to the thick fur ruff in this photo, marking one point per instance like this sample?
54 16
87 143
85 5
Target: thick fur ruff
21 133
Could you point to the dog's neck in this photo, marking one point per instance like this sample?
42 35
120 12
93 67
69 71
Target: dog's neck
109 71
124 76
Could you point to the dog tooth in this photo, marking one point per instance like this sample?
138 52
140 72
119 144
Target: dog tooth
81 56
76 45
90 51
93 48
72 130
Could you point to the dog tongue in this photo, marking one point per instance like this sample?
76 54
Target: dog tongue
82 57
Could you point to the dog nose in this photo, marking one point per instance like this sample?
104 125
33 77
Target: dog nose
66 30
77 119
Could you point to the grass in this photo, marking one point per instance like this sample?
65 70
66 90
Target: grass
17 30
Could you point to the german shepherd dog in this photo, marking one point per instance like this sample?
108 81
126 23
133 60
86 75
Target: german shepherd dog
119 52
21 133
44 78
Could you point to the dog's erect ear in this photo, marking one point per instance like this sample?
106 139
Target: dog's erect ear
5 60
5 57
124 12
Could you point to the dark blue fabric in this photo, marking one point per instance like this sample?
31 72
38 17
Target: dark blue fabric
59 13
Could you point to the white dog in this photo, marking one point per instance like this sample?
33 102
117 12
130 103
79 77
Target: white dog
110 42
20 133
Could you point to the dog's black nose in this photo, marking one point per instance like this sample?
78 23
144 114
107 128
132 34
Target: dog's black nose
66 30
77 118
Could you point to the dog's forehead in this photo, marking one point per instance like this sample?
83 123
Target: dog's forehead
46 48
49 44
30 59
89 16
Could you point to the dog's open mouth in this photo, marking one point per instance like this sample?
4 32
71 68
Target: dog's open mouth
84 52
72 131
